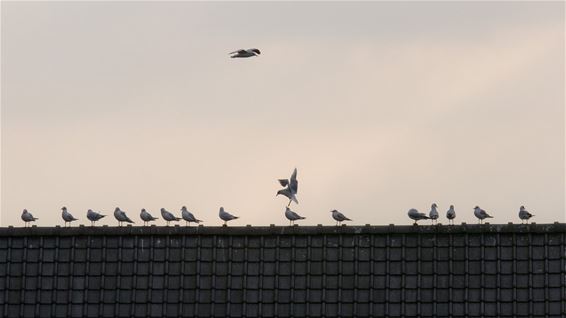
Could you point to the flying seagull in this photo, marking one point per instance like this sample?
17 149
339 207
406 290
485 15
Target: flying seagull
433 214
245 53
417 216
27 217
93 216
339 217
481 214
188 216
451 215
292 216
291 187
168 216
524 215
121 216
146 217
225 216
67 217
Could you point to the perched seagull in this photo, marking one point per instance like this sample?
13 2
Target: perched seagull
451 214
146 217
225 216
27 217
417 216
339 217
168 216
433 214
292 216
524 215
291 187
67 217
481 214
245 53
93 216
188 216
121 216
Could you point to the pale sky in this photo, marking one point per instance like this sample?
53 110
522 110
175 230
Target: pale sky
381 106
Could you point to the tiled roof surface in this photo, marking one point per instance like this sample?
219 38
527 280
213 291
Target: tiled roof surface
362 271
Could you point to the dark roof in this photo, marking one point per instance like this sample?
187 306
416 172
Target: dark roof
364 271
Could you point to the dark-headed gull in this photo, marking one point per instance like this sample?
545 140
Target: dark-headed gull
146 217
225 216
93 216
27 217
415 215
188 216
481 214
245 53
292 216
67 217
291 188
168 216
524 215
339 217
451 215
121 216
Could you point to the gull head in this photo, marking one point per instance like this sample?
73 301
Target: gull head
451 206
522 208
64 208
434 205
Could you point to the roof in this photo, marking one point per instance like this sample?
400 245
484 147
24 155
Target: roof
364 271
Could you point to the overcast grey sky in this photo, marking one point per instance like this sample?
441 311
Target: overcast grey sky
381 106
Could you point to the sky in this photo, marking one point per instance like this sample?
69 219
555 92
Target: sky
381 106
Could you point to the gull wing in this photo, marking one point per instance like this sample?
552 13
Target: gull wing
283 182
239 52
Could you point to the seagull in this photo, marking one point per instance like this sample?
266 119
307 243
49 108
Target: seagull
339 217
245 53
417 216
225 216
93 216
433 214
27 217
291 187
292 216
188 216
146 217
168 216
67 217
451 214
121 216
524 215
481 214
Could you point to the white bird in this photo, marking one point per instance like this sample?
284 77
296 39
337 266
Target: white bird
225 216
291 188
524 214
292 216
121 216
188 216
481 214
417 216
339 217
67 217
93 216
146 217
451 214
245 53
168 216
433 214
27 217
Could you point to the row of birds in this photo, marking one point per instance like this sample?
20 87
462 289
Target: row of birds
479 213
292 216
186 215
290 190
